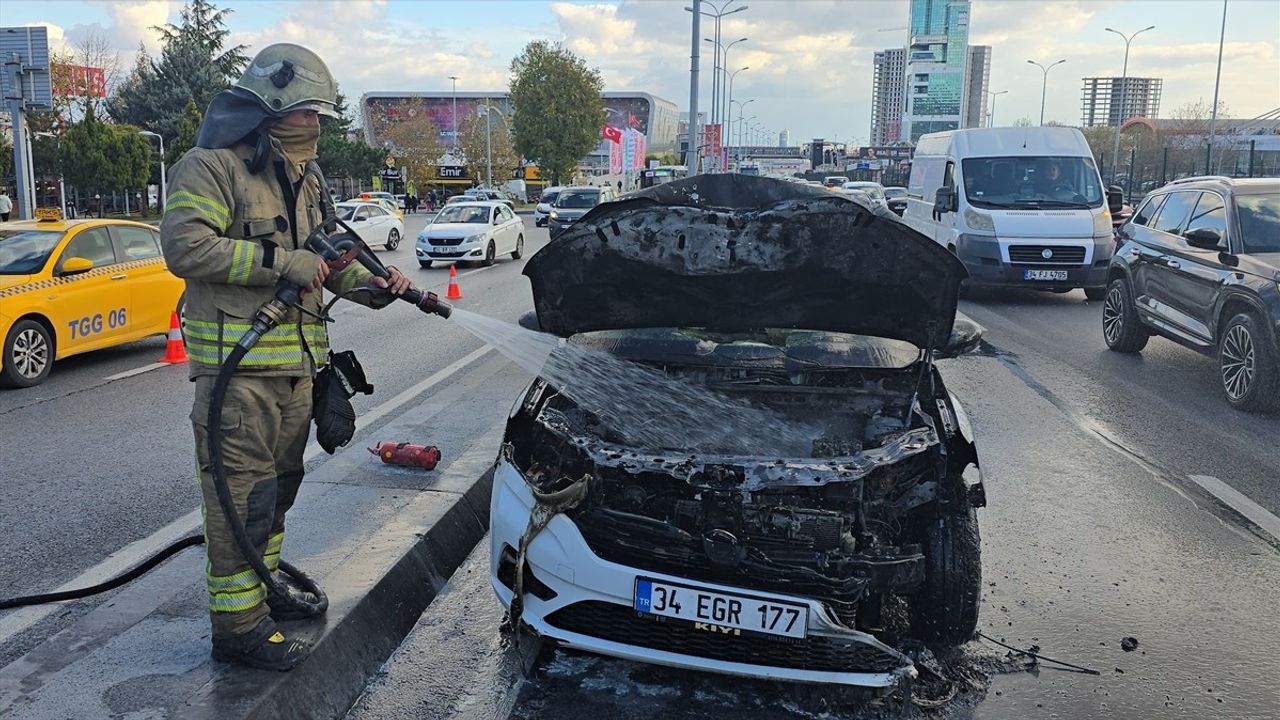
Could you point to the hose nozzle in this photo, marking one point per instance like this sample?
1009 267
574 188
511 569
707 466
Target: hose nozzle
429 302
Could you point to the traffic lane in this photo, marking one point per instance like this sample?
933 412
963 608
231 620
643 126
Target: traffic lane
130 440
84 372
1164 403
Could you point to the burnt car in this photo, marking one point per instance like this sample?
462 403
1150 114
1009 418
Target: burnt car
741 557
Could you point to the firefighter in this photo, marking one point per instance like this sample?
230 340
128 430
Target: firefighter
239 210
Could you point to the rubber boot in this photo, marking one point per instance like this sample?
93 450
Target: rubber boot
264 648
284 612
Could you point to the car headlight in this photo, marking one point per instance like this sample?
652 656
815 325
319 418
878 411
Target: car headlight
474 238
555 215
1102 223
980 222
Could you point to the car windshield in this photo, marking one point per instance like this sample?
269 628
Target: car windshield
875 191
346 212
550 196
1259 222
895 192
772 348
578 199
477 214
25 252
1032 182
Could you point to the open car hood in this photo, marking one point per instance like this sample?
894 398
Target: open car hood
734 253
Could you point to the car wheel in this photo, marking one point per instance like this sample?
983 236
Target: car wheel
424 264
1095 293
489 254
28 355
519 248
1247 365
393 239
1121 328
945 609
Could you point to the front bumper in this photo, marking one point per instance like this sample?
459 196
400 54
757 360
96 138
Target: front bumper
449 253
988 265
585 602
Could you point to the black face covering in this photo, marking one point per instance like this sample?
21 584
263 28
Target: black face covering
230 117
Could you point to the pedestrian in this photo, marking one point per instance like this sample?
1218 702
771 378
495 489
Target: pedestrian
6 205
240 207
413 204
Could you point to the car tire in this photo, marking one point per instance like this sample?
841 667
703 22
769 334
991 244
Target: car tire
490 253
393 239
1095 293
1248 368
519 251
28 355
1121 328
424 264
945 609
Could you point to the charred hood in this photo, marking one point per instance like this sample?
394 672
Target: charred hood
733 253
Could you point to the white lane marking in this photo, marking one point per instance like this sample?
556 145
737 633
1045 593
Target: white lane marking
135 552
1239 502
135 371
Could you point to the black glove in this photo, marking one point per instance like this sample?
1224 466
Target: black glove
331 395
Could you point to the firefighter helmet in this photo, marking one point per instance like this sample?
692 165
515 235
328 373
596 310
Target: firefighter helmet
285 77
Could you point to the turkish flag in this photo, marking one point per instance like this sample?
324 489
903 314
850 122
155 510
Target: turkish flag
612 134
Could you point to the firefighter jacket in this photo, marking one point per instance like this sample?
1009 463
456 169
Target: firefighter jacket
227 232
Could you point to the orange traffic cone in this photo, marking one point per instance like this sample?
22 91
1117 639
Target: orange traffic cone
455 292
175 351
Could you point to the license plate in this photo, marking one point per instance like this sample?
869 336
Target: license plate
1044 275
722 612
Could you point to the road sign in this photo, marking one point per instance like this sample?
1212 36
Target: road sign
25 54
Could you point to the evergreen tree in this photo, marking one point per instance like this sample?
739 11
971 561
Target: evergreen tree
188 127
557 107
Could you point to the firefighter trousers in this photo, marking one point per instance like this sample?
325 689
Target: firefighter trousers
266 421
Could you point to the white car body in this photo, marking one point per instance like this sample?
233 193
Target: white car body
560 559
873 191
375 225
543 208
448 242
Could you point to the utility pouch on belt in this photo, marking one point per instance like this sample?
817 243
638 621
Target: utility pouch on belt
331 395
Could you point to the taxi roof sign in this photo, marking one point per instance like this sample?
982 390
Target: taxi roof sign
48 214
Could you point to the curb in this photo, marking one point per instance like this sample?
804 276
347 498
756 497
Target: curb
352 650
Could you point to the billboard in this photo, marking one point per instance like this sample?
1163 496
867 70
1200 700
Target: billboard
79 81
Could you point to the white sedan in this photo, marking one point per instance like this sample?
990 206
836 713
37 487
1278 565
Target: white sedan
872 191
373 223
471 231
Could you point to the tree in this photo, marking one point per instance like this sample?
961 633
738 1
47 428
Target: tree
188 128
1024 122
665 158
194 66
415 142
339 155
101 158
557 109
476 148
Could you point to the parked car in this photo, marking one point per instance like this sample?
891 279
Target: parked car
477 230
68 287
574 202
1199 264
490 195
834 181
1020 207
543 209
721 555
896 199
373 222
873 190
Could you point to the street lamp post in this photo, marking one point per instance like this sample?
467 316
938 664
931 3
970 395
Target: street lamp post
164 192
1124 87
991 114
1044 88
1213 113
742 107
719 13
455 79
732 75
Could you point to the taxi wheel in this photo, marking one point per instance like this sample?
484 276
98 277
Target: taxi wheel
28 355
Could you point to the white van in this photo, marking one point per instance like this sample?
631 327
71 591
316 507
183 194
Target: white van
1020 207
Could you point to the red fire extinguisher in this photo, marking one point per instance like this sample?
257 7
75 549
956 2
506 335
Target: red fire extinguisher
407 454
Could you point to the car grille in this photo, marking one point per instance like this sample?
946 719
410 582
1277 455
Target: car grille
621 624
444 241
1034 255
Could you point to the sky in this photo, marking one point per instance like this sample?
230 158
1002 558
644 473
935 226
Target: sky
810 61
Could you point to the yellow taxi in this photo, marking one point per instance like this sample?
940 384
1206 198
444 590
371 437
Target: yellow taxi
68 287
386 200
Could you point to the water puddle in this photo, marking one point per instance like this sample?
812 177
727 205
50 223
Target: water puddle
642 405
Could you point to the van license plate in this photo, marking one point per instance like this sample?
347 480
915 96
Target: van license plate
722 612
1044 275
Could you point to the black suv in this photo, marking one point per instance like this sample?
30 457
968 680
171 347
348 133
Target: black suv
1199 263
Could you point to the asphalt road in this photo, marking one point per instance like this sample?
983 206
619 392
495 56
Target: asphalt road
1095 532
1098 528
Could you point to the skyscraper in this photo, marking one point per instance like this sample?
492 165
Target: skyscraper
977 79
784 138
1101 105
887 85
937 67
